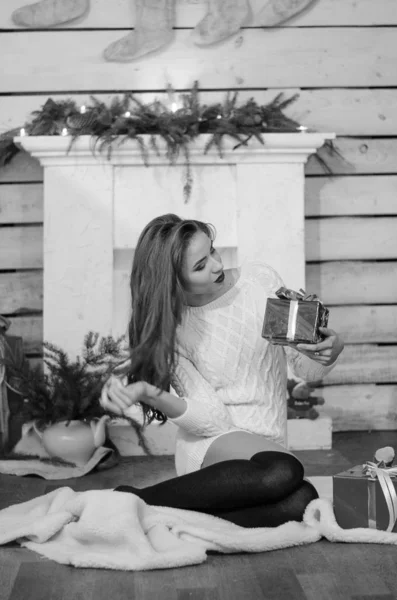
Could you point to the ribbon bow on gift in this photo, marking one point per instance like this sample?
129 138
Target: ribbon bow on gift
288 294
384 474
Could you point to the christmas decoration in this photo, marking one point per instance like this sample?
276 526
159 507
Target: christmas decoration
69 390
128 118
300 402
384 457
153 28
365 495
276 12
294 318
223 19
48 13
152 31
55 461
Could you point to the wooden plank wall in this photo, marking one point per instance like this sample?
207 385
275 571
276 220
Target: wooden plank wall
341 56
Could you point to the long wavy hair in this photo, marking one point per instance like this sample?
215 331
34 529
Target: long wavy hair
158 301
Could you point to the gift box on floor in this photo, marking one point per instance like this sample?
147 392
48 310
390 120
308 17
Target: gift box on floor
294 318
365 496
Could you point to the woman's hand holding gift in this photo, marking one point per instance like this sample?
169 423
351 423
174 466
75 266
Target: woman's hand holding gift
325 352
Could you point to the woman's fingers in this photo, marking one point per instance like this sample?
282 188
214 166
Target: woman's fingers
320 360
108 404
104 401
327 332
118 399
113 396
321 346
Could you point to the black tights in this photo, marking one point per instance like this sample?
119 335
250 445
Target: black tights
264 491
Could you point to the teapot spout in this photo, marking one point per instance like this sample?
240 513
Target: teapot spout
99 430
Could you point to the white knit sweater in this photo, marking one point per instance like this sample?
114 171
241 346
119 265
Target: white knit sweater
231 377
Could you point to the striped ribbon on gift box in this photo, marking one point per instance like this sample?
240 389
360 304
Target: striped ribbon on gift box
383 474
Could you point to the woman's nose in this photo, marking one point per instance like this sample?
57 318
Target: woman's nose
218 265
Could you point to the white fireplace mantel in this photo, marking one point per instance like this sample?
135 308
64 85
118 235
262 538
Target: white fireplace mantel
278 147
95 208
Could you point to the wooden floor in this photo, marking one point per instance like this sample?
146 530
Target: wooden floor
319 571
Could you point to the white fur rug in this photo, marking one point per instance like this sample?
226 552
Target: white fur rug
114 530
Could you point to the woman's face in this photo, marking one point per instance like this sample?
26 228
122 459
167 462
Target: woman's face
202 267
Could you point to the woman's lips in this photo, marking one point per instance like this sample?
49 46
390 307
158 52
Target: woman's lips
220 278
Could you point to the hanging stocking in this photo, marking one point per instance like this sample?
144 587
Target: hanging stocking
153 30
223 19
48 13
277 11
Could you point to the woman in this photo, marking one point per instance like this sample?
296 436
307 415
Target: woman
197 327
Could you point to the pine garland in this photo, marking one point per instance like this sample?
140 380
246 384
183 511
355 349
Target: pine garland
55 461
127 118
68 390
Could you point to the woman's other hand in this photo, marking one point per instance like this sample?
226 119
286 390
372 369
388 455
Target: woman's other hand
325 352
117 397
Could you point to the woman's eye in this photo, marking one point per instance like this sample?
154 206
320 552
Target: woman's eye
201 267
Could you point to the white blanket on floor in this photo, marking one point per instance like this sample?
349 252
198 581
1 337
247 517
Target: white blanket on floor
114 530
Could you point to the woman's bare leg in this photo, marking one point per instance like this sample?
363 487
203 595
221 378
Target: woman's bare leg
239 444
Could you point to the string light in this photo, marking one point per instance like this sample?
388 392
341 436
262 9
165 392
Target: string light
64 131
83 110
22 132
302 128
127 114
174 107
219 116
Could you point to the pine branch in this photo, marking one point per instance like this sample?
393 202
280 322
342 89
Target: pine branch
68 390
127 118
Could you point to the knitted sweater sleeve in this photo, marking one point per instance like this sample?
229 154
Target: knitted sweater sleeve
301 365
304 367
206 415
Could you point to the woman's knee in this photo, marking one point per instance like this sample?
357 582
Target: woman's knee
286 470
302 498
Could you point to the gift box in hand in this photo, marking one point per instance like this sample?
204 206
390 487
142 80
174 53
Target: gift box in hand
294 318
365 495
